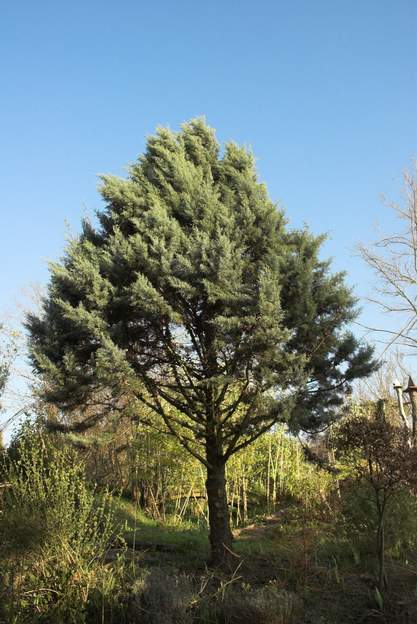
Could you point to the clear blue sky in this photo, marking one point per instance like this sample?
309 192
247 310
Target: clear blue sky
323 91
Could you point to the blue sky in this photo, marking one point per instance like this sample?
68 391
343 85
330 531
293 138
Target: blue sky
324 93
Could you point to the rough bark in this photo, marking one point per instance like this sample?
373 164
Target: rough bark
219 520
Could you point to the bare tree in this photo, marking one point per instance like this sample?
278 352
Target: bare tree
394 261
381 384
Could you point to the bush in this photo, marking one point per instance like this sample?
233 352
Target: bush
55 533
360 520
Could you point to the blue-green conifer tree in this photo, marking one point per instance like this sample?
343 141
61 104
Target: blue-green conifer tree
193 298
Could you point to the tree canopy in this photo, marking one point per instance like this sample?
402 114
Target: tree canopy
193 298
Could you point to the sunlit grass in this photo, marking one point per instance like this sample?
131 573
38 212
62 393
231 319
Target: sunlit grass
186 542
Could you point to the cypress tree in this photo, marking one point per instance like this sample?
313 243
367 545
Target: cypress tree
193 298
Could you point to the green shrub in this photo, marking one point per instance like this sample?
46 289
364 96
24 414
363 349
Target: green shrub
55 533
360 520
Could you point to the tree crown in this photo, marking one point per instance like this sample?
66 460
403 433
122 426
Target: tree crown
193 297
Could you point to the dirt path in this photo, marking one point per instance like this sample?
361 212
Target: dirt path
263 528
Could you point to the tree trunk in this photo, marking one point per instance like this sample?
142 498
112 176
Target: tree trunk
382 580
219 521
381 505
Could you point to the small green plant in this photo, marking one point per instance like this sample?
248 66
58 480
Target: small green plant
379 599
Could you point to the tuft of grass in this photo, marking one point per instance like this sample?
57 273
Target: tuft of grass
260 605
162 597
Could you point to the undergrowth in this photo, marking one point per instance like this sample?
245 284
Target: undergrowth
55 533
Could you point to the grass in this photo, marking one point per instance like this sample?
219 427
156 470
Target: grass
186 542
308 566
188 537
311 560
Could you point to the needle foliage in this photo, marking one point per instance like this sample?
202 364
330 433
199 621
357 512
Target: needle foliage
193 297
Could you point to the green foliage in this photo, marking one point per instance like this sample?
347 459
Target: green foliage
55 533
383 460
193 295
379 599
359 521
57 575
193 299
169 484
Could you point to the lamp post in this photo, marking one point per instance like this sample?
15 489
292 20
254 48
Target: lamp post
398 387
411 389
